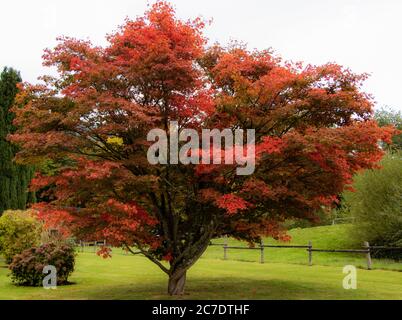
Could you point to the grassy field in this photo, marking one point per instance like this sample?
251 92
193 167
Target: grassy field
129 277
284 276
325 237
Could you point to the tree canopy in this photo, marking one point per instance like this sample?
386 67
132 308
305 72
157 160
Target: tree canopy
390 117
313 128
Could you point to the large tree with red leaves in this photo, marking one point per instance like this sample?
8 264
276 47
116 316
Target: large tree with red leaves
312 125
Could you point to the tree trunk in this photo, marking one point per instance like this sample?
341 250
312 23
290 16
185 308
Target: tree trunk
176 283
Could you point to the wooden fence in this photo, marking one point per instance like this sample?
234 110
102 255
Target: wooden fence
93 244
341 220
367 249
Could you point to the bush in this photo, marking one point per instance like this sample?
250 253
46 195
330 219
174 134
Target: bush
19 230
27 267
377 207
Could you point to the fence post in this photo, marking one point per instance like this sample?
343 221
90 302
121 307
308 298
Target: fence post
225 248
95 244
262 251
368 255
310 253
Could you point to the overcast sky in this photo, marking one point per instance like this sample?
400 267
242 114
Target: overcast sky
364 35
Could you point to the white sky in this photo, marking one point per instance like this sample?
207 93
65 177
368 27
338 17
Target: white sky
364 35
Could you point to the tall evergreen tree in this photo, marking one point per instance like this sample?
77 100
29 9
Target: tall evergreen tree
14 178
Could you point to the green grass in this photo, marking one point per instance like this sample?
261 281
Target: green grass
285 275
325 237
129 277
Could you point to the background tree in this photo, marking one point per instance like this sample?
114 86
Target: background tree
313 125
388 116
376 205
14 178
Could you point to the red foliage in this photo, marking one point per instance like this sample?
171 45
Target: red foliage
232 203
313 132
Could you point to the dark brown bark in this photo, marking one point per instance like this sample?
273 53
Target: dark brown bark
176 283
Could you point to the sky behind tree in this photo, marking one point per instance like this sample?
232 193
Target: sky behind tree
363 35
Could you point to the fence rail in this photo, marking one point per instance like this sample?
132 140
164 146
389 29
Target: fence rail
94 244
339 250
342 219
309 248
274 246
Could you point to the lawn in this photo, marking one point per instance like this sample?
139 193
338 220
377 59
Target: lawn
324 237
285 275
133 277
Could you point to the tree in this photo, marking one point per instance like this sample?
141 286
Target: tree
14 178
387 117
376 205
313 131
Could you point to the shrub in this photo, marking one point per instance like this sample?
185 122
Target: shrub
27 267
19 230
377 207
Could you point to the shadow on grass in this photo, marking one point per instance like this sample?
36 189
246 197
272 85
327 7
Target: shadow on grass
25 285
225 289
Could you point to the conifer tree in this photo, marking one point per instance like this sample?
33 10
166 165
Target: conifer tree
14 178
